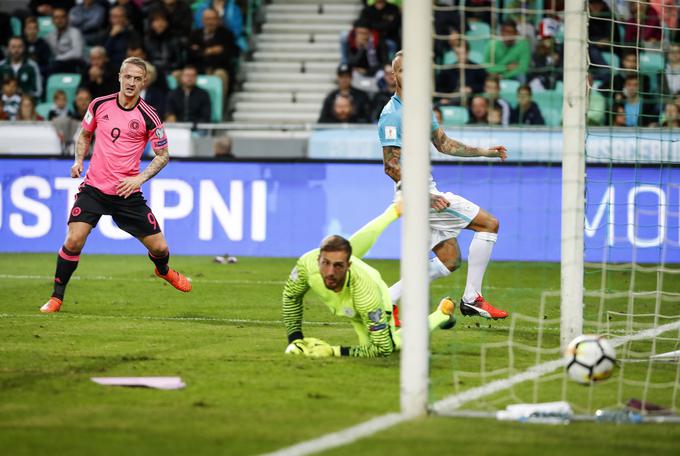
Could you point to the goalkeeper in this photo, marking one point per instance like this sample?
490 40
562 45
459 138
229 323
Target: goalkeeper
351 289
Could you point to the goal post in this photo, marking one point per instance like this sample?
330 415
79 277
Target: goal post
573 170
417 93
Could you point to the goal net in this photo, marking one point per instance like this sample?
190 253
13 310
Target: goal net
627 126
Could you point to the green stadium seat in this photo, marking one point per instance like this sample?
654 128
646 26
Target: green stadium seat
15 23
454 115
478 36
651 62
552 117
508 90
68 82
172 82
43 109
548 100
45 26
612 60
213 85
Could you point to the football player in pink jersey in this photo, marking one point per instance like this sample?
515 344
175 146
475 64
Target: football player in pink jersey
124 124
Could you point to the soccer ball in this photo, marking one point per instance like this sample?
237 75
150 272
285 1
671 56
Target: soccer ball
590 358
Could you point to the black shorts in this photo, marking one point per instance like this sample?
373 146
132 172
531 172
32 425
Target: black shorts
131 214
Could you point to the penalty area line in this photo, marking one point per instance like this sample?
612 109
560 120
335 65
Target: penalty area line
446 405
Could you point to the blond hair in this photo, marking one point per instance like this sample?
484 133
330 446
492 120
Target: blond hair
141 63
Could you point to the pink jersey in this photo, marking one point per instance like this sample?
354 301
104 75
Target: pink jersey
121 137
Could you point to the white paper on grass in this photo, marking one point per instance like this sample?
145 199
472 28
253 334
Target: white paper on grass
163 383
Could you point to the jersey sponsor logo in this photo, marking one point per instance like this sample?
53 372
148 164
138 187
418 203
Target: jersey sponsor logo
159 133
390 132
379 327
88 117
134 124
375 316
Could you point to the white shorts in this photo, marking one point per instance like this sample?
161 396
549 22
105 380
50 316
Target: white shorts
447 224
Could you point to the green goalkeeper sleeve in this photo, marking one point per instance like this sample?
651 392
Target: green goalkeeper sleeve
363 240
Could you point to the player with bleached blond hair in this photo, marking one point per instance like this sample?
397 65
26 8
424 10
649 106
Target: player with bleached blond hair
124 124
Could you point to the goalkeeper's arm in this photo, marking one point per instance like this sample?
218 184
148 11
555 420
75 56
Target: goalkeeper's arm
367 235
293 292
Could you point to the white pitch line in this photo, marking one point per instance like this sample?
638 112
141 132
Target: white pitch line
151 318
368 428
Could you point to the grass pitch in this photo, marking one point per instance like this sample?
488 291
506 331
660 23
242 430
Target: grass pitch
226 341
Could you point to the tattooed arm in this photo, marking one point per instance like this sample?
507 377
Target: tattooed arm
449 146
128 186
391 156
82 146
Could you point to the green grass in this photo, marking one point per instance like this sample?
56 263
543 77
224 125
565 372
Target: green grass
243 396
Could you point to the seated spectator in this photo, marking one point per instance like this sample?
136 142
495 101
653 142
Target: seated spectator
546 61
359 98
80 103
213 49
229 13
179 14
629 65
618 115
66 43
133 13
527 111
160 81
100 77
387 86
343 111
450 81
643 26
449 56
27 110
67 127
22 68
638 111
508 57
384 18
495 115
222 148
479 110
670 80
188 103
671 116
366 53
601 37
90 18
162 47
3 114
37 48
492 91
47 7
154 93
120 36
479 10
10 97
59 108
5 30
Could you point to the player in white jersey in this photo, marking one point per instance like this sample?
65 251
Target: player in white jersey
450 213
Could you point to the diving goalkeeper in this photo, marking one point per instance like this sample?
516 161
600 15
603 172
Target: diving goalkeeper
351 289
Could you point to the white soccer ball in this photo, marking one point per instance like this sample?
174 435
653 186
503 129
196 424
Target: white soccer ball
590 358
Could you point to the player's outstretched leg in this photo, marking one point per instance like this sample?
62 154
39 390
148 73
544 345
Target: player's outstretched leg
472 303
160 256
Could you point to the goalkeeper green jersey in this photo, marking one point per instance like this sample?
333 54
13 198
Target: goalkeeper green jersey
364 299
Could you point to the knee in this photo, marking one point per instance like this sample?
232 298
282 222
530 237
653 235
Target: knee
74 243
491 225
452 263
160 249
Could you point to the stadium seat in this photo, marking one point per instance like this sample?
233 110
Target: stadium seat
612 60
213 85
548 100
651 62
172 82
509 90
454 115
552 117
45 26
43 109
68 82
15 22
478 36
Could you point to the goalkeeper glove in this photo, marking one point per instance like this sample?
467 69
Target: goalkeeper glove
318 348
297 347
